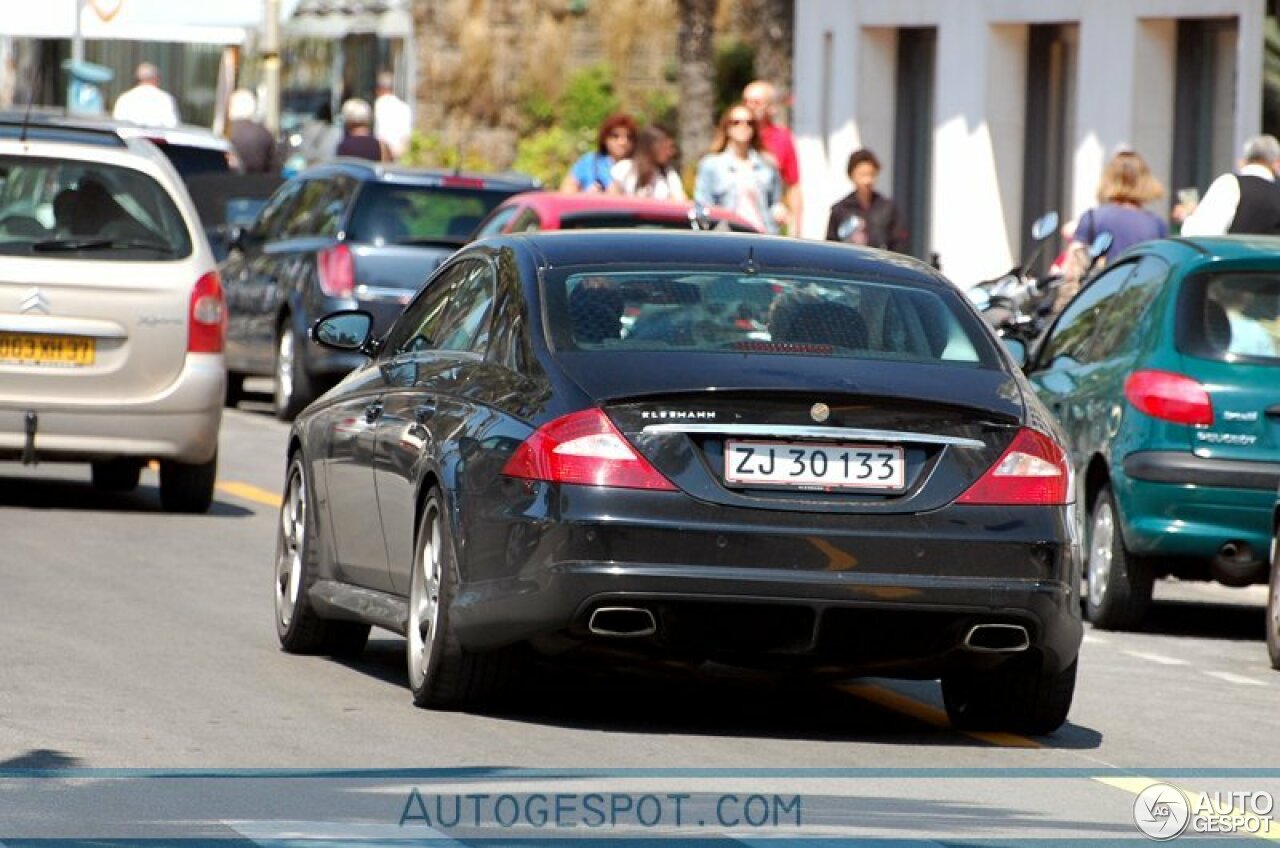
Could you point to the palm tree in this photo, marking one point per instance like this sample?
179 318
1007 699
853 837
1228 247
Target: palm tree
697 76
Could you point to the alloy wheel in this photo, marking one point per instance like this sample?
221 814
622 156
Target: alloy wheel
284 369
1101 547
293 530
424 601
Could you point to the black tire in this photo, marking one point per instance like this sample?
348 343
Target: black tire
186 486
300 629
293 388
1019 696
235 389
443 674
1273 603
117 475
1118 584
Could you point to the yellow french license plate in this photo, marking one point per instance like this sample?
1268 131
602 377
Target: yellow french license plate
42 349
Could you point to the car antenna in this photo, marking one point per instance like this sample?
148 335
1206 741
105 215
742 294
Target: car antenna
31 100
457 165
750 265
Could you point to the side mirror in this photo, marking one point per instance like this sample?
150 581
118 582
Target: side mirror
237 237
350 329
1044 226
1017 348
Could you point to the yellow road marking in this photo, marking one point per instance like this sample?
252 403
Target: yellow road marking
248 492
899 703
1270 829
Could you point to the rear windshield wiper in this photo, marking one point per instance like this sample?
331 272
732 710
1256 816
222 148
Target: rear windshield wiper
59 245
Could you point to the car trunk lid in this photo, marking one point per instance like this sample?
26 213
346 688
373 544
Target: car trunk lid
95 331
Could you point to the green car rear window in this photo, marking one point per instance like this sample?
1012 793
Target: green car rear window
703 311
1232 316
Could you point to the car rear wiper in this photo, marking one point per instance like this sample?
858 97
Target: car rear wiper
59 245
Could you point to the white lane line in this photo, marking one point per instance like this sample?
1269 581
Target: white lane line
1158 659
1236 678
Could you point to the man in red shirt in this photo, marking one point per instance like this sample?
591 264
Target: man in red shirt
759 97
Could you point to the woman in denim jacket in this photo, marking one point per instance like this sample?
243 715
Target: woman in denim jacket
738 175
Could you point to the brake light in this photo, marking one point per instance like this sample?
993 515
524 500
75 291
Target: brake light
1169 397
207 321
584 448
336 270
1032 470
462 182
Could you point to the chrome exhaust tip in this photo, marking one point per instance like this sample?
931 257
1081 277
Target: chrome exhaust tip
622 622
997 638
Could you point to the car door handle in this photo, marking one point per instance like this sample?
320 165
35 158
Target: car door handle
424 411
373 412
1273 411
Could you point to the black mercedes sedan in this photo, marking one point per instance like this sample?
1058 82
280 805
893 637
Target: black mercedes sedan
772 453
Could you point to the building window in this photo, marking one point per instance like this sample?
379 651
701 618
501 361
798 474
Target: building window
1204 112
913 132
1050 126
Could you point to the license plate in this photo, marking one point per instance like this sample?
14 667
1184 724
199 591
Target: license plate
815 466
40 349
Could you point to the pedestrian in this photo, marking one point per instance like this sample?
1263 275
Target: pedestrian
738 175
146 103
593 172
761 98
392 118
358 139
865 216
1127 185
1243 202
320 136
254 145
649 171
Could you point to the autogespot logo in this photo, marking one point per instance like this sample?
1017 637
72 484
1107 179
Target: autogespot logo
1161 812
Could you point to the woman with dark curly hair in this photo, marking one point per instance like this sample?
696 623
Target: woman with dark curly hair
614 143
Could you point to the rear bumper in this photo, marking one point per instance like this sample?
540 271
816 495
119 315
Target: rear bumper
1178 504
888 594
1191 470
180 423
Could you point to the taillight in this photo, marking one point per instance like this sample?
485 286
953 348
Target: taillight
584 448
1032 470
336 269
1169 397
207 321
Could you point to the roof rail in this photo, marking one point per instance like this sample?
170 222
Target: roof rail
43 129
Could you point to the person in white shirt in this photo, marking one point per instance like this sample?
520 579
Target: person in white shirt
1244 202
146 103
1248 336
392 118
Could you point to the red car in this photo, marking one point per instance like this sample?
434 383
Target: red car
550 210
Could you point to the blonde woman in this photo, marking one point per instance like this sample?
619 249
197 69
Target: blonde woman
738 175
1127 186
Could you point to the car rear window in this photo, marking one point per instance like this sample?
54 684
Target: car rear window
190 161
732 311
1231 316
387 213
63 208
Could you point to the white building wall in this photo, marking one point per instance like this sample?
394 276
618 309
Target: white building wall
1123 95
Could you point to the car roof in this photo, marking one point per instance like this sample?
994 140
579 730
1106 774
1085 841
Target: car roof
52 123
366 170
677 247
562 204
1232 246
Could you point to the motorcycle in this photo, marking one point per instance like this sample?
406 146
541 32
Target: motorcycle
1016 304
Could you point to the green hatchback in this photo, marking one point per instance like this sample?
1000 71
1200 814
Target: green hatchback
1165 375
